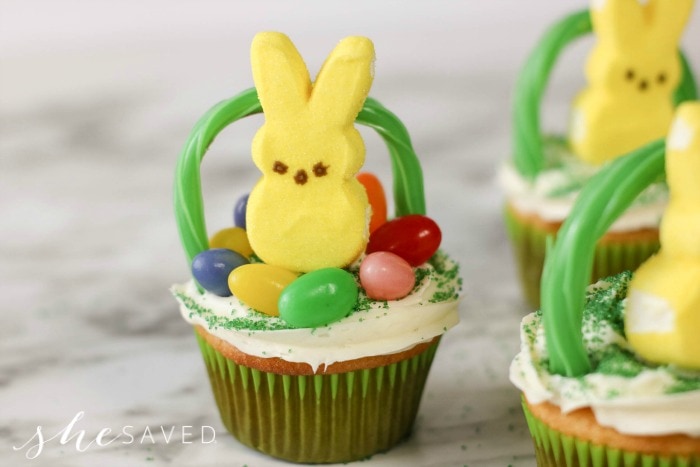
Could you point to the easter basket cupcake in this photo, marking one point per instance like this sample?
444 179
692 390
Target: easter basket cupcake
317 317
610 374
635 77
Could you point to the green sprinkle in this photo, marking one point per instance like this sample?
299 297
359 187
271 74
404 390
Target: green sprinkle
619 362
684 384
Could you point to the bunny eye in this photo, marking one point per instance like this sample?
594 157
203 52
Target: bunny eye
661 79
280 167
629 74
300 178
320 170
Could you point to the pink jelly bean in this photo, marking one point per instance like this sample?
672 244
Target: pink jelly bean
386 276
415 238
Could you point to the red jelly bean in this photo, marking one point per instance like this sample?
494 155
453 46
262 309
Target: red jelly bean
377 199
415 238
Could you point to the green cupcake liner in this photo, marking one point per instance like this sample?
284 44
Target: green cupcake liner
530 243
318 418
554 449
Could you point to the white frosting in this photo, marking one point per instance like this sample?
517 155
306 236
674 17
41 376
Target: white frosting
551 195
385 328
641 403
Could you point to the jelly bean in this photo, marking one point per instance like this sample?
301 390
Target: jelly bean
415 238
377 199
239 211
233 238
259 285
211 269
386 276
318 298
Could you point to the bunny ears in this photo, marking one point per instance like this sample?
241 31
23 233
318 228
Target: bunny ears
285 89
622 21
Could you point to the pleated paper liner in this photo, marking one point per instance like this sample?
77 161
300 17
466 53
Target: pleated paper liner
555 449
615 253
318 418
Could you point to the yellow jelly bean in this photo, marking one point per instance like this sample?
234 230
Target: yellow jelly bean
259 286
232 238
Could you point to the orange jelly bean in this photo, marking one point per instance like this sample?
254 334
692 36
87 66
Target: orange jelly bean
377 199
232 238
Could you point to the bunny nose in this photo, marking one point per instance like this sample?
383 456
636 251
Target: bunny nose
643 85
300 178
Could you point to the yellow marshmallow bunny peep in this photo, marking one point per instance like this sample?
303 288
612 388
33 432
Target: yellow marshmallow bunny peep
308 211
632 73
662 320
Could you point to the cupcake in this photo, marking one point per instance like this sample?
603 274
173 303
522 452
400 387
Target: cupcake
635 77
610 374
318 318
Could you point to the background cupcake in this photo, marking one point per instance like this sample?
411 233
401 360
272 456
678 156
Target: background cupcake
317 326
617 382
635 77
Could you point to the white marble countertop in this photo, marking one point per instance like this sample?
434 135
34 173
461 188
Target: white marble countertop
96 100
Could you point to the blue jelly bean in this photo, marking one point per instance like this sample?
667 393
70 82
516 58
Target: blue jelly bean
239 211
211 269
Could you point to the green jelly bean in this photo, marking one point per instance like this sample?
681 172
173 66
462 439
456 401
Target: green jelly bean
317 298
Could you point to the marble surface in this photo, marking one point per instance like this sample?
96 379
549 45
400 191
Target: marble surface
95 102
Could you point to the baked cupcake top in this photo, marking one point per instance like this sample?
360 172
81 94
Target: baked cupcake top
635 77
313 270
631 353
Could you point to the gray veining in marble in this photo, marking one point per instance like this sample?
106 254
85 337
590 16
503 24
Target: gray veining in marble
96 100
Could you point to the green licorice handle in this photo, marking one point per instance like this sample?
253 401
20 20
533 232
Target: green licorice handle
409 197
189 209
531 84
568 265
